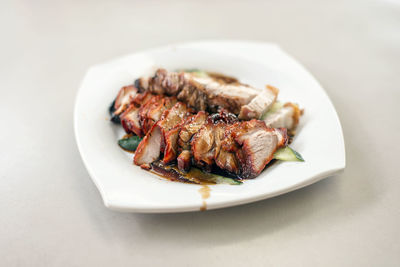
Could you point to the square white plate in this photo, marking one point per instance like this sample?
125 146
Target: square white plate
126 187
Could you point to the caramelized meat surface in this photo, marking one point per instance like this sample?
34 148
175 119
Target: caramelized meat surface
169 111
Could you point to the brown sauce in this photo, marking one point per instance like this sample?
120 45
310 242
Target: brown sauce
194 176
171 172
127 136
205 193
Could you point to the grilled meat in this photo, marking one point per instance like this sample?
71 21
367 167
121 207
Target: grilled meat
184 160
218 140
241 148
162 109
206 143
130 120
286 117
259 104
148 149
201 93
124 97
256 145
171 145
164 135
191 126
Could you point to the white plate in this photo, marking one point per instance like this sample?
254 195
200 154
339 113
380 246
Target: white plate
126 187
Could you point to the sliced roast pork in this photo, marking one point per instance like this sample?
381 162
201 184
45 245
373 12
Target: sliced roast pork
191 126
124 97
148 149
259 104
206 143
200 92
229 96
162 136
257 145
285 117
170 128
130 118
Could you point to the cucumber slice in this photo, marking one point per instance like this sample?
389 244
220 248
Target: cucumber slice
218 179
274 108
288 154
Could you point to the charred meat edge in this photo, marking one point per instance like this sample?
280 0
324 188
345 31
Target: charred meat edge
201 93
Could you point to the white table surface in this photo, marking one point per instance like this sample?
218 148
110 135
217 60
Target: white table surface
51 214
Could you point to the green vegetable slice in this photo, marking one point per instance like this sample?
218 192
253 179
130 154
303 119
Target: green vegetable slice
274 108
218 179
197 72
288 154
130 143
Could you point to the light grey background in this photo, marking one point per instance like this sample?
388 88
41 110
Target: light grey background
51 213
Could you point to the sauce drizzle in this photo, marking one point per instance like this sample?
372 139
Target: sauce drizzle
205 193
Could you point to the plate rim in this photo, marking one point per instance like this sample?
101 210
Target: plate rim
117 206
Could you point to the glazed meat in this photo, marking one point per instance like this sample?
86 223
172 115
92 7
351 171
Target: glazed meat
241 148
201 93
148 150
260 104
162 137
229 96
170 127
191 126
163 82
124 97
184 160
206 143
256 146
130 120
286 117
208 121
143 111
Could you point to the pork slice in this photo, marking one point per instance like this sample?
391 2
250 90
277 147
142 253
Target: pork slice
130 120
156 110
171 145
193 94
184 160
258 144
148 149
228 161
142 98
173 116
203 147
286 117
170 126
230 96
224 159
206 143
153 103
259 104
200 92
163 82
124 97
191 126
